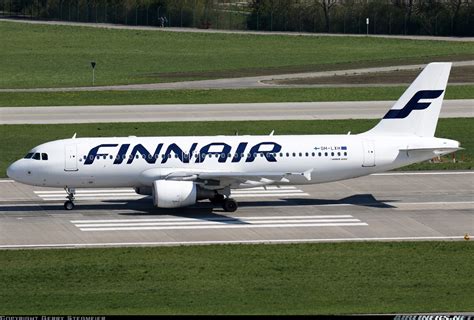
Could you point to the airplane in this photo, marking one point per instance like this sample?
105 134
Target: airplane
180 171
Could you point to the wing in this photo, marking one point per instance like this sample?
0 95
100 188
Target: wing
227 178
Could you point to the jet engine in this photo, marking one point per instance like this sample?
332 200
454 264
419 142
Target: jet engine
146 191
175 194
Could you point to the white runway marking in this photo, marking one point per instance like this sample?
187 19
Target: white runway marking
180 243
191 223
3 181
128 193
228 226
218 223
212 219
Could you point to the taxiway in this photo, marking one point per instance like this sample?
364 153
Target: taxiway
216 112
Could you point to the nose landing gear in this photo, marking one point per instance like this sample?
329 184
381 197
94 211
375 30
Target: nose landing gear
69 204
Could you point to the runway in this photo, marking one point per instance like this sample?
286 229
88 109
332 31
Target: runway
216 112
383 207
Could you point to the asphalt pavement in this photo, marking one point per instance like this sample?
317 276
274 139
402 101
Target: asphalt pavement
394 206
216 112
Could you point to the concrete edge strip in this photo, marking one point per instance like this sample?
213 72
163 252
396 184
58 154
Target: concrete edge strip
422 173
178 243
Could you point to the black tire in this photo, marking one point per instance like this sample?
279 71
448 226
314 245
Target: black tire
68 205
217 199
229 205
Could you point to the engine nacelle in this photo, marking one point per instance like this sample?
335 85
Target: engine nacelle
174 194
146 191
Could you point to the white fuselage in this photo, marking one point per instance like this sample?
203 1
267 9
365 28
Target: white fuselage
138 161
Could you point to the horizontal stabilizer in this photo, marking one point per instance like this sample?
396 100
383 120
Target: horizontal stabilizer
435 151
428 149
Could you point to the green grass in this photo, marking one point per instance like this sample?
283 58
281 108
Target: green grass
16 99
337 278
53 56
16 140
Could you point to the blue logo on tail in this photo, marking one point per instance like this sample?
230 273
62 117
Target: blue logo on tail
414 104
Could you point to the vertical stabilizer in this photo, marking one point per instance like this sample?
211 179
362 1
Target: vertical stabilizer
417 110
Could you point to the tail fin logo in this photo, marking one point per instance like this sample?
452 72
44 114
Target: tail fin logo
414 104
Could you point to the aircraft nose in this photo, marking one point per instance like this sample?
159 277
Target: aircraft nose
15 171
11 170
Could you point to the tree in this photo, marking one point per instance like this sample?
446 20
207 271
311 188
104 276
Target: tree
454 6
327 5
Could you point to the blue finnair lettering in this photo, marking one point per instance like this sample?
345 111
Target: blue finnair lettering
139 149
121 154
184 157
222 154
219 150
239 153
255 151
94 152
414 104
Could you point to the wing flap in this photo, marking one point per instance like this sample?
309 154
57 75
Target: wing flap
224 177
254 175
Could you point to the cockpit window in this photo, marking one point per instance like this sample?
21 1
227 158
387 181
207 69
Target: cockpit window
44 156
29 155
36 156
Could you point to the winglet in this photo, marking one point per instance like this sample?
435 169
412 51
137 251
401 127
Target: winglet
74 136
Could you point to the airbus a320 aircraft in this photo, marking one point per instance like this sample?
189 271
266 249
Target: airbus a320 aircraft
179 171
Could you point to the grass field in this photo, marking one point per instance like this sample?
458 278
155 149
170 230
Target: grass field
17 99
338 278
16 140
52 56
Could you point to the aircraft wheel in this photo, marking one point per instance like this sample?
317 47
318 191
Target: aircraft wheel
229 205
68 205
218 199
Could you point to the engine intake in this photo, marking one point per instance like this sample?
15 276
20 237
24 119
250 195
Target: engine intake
175 194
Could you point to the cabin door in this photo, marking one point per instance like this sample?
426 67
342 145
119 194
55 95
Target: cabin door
70 157
369 153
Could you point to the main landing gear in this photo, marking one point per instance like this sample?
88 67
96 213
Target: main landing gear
228 204
69 204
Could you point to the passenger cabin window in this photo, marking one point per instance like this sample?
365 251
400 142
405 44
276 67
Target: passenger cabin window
44 156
